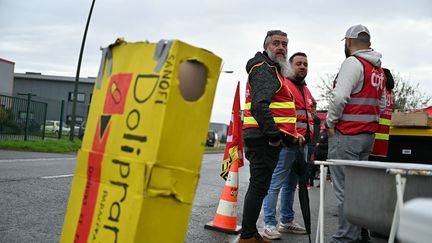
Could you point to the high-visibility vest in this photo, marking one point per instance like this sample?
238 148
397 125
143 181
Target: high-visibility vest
381 143
361 113
303 107
282 106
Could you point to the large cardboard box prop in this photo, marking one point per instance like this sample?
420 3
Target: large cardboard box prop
411 119
138 167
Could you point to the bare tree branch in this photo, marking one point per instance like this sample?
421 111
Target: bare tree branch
406 95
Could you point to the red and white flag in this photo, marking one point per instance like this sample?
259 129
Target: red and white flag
234 143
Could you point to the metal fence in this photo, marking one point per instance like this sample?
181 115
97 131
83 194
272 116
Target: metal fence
47 118
59 111
22 119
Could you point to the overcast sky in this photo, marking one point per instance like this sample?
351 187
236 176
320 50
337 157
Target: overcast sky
45 35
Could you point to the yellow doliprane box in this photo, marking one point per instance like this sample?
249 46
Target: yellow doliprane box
138 167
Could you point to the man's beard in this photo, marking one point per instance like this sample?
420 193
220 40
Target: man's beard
347 52
286 69
299 78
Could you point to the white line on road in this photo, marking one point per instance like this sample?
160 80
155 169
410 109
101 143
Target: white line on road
56 176
42 159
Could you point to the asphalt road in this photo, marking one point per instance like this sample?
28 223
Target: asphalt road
34 190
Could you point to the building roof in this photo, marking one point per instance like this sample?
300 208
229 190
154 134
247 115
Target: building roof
6 61
39 76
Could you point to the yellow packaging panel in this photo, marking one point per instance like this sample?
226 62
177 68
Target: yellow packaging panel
138 168
399 131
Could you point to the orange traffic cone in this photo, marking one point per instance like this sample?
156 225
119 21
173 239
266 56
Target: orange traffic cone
225 219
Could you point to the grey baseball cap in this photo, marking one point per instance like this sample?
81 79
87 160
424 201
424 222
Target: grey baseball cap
353 31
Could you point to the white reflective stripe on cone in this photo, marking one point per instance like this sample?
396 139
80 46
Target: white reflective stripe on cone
227 208
232 179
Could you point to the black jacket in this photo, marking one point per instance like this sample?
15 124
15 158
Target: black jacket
264 83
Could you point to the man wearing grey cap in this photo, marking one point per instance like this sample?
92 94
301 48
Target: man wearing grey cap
353 115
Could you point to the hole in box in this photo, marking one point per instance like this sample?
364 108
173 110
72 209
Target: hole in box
193 79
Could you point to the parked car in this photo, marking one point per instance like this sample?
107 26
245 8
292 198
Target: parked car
211 138
54 127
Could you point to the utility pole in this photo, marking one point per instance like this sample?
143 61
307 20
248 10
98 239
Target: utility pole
75 94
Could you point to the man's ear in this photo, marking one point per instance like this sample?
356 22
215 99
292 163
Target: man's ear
349 43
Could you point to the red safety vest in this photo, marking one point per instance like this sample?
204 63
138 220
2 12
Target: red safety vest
282 107
361 113
300 105
381 143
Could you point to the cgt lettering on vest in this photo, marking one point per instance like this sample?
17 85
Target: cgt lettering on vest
377 80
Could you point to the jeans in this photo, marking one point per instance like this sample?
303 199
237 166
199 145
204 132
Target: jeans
286 179
262 162
348 147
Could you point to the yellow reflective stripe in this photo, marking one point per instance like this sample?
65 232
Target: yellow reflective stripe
251 120
384 121
282 105
382 136
247 106
285 119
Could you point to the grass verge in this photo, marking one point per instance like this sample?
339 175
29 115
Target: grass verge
215 149
50 146
59 146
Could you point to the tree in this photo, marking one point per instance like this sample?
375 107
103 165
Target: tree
6 120
325 88
5 115
406 95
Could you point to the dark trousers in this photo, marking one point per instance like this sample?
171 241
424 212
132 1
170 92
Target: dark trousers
263 160
311 167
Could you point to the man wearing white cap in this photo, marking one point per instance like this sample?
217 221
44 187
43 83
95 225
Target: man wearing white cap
353 115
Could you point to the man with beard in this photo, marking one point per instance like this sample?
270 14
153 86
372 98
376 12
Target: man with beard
283 176
353 115
269 122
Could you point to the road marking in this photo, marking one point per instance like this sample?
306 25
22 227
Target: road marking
56 176
43 159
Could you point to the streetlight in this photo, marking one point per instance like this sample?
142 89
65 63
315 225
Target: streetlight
72 131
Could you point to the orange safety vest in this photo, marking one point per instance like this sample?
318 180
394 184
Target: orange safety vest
282 106
361 113
300 105
381 143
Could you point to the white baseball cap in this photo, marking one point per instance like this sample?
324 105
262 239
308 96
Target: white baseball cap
355 30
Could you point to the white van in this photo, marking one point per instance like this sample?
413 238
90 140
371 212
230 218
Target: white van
54 127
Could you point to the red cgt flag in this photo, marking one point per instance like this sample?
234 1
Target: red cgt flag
234 143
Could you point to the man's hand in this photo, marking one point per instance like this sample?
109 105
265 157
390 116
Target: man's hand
275 144
331 132
300 139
